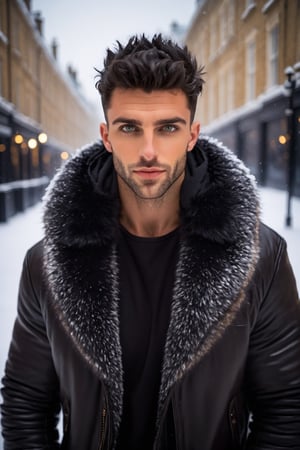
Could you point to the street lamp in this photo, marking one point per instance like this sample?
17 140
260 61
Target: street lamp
32 143
289 89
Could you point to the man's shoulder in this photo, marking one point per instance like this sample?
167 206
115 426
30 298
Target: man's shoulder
272 248
271 243
34 255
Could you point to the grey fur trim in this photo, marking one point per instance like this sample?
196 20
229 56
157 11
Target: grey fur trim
86 302
205 303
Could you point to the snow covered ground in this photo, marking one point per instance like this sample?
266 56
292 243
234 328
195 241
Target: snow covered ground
273 204
25 229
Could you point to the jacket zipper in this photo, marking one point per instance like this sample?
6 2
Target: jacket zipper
66 417
233 418
102 427
157 442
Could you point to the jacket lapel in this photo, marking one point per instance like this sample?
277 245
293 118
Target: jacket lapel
81 267
206 298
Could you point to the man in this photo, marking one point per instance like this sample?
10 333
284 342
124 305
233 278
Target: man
157 312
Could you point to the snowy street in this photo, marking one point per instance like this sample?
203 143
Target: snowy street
25 229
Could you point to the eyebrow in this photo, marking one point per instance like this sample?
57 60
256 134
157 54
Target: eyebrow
168 121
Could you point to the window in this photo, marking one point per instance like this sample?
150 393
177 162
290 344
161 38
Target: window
1 78
226 89
198 49
17 93
223 24
16 33
231 17
230 89
249 6
213 38
251 70
3 24
203 49
222 92
273 41
212 89
2 15
267 6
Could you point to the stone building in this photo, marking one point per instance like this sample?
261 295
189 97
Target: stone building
245 46
43 115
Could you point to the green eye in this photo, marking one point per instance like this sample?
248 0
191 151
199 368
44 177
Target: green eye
128 128
169 128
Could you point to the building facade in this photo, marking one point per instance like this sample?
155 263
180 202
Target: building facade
245 46
43 115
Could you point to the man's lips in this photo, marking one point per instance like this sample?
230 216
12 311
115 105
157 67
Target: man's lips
152 172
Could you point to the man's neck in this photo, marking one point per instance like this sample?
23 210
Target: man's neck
148 225
150 218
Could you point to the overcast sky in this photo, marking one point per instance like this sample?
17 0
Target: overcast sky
85 28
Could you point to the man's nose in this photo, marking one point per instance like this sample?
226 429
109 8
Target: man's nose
147 149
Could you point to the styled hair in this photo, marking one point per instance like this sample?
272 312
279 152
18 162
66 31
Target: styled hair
156 64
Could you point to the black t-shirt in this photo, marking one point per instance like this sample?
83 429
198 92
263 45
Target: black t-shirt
147 271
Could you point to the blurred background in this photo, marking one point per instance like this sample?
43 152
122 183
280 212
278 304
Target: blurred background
49 106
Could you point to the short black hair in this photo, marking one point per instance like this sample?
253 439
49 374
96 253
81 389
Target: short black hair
156 64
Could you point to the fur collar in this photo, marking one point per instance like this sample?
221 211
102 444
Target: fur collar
219 249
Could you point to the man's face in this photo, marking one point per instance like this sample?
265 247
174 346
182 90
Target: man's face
149 135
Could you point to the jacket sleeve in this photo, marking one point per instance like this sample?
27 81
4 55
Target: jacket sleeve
30 387
273 369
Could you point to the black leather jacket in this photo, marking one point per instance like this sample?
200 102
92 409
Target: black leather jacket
233 345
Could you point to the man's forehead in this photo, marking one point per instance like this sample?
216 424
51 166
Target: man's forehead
134 101
141 96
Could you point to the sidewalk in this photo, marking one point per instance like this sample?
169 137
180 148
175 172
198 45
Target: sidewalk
274 205
16 236
25 229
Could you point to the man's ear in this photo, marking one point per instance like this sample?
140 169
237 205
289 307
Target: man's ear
104 136
195 130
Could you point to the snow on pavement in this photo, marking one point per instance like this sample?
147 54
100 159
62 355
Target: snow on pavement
274 206
16 236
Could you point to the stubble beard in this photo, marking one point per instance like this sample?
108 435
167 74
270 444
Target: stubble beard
172 176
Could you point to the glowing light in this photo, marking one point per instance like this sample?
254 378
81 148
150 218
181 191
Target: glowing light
42 137
19 139
2 148
64 155
32 143
282 139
